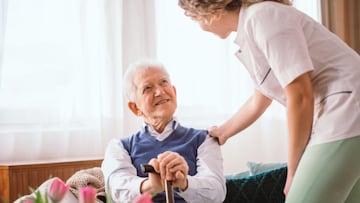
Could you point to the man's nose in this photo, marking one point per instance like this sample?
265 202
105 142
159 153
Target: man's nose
159 90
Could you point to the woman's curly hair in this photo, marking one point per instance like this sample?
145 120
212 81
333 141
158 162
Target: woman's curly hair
206 8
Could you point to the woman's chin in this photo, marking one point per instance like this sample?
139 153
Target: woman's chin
223 35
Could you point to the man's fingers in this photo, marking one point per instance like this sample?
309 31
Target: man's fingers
180 175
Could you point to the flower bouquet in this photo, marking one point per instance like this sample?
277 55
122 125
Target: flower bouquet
58 189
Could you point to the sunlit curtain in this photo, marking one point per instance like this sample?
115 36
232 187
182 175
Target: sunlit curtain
63 60
3 14
138 41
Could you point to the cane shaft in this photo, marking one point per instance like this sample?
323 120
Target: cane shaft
169 192
145 168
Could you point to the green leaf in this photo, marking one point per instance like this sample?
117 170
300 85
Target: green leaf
38 197
4 200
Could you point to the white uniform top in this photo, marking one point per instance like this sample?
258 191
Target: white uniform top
279 43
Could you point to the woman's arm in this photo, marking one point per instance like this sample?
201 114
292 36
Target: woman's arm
253 108
300 110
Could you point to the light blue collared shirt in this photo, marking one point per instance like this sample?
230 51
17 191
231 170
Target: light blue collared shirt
170 127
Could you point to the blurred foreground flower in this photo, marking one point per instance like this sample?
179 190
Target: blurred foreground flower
144 198
29 201
57 190
87 195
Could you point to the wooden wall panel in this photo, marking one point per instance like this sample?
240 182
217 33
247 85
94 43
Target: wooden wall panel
16 178
343 19
4 183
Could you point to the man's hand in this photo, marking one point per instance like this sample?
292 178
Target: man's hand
154 184
173 167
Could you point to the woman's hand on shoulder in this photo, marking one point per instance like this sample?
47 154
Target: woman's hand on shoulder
217 132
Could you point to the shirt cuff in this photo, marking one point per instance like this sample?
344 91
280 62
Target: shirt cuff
192 185
135 186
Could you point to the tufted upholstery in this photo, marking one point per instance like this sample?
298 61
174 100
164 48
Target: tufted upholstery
266 187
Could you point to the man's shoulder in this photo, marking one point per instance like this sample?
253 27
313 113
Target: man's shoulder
193 131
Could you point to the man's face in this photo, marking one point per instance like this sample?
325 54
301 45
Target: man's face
155 96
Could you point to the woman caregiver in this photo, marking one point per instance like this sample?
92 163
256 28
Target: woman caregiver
298 62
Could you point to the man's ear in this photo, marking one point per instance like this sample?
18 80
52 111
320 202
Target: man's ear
174 89
133 108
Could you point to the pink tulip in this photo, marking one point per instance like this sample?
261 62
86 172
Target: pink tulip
29 200
57 190
144 198
87 195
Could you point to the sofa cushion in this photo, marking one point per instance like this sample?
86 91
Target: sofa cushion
266 187
259 167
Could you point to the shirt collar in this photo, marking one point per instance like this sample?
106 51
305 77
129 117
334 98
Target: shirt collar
170 127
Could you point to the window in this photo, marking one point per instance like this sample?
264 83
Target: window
41 77
54 79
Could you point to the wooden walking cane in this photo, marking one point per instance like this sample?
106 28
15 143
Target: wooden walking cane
146 168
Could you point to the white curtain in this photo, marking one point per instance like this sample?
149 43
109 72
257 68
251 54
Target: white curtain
60 95
3 14
138 42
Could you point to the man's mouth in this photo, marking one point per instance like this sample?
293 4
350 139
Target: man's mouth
162 101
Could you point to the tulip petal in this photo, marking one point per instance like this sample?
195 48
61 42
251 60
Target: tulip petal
87 195
57 190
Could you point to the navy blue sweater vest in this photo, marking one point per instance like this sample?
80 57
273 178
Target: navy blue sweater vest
142 147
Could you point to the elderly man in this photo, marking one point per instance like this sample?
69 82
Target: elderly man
188 157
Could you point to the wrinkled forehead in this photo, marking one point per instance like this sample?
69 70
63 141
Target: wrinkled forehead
152 71
150 74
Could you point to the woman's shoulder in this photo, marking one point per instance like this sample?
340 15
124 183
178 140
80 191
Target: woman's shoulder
270 17
270 9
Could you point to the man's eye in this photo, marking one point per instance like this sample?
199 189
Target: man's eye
147 89
164 82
